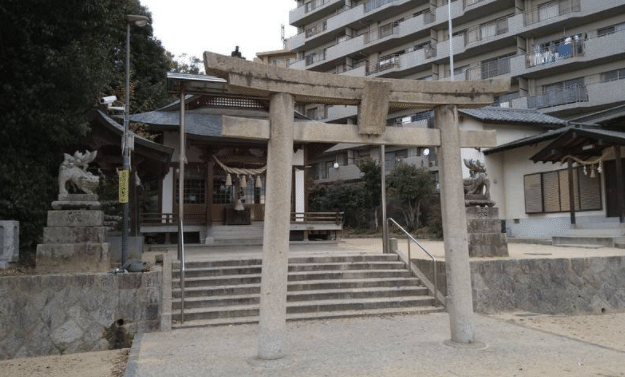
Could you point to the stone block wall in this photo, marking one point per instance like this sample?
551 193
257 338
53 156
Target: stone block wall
68 313
548 286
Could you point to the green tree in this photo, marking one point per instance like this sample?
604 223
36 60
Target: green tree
339 198
410 185
372 185
56 59
186 64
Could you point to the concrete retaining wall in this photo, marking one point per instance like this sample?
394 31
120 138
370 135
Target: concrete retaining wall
67 313
549 286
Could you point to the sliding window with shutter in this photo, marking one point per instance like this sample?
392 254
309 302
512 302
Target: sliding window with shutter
549 192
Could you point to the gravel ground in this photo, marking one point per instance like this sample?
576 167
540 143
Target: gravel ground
607 330
88 364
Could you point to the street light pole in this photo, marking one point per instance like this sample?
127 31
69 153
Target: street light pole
451 46
140 21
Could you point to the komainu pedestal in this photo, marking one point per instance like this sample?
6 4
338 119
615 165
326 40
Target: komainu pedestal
484 231
73 241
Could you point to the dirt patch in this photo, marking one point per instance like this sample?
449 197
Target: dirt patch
607 330
88 364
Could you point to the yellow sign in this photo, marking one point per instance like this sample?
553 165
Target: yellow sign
123 186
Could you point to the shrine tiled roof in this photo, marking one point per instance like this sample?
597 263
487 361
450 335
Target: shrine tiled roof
508 115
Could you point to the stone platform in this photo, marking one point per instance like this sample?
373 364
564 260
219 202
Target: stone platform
74 240
484 232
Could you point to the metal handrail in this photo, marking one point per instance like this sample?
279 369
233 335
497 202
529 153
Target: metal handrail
181 258
411 238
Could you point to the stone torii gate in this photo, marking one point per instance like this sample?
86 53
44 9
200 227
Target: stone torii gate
285 87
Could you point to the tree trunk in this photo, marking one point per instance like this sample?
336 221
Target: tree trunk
418 213
375 210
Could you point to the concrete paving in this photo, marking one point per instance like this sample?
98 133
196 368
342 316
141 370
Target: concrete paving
410 345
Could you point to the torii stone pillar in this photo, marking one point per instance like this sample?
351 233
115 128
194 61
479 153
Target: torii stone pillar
374 96
459 294
272 326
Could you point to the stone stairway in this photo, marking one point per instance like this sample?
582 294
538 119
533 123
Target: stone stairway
228 291
597 235
226 235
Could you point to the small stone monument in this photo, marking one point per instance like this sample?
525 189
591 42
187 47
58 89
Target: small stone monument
9 242
74 237
483 223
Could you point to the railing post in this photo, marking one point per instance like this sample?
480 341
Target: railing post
181 249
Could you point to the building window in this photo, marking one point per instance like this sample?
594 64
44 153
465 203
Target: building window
222 194
392 159
617 74
321 170
194 191
611 29
548 11
361 155
549 192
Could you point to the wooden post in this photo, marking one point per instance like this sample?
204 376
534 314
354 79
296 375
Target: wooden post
620 186
571 192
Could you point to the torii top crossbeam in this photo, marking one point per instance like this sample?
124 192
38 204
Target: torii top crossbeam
374 97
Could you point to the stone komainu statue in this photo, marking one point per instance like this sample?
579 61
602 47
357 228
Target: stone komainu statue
74 169
477 183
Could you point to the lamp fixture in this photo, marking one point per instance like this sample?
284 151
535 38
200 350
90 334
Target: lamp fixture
137 20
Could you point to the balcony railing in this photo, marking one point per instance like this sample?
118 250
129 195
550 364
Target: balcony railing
485 31
315 57
316 29
494 68
551 10
551 98
383 65
468 3
374 4
554 54
309 7
382 32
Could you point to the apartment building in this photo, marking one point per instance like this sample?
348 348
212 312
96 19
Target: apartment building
565 58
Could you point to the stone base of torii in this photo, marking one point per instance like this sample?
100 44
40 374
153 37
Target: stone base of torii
285 87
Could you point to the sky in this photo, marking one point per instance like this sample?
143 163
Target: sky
195 26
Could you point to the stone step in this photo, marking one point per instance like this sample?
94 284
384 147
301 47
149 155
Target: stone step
298 286
348 258
237 242
310 267
608 241
298 296
309 316
362 274
293 276
308 307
